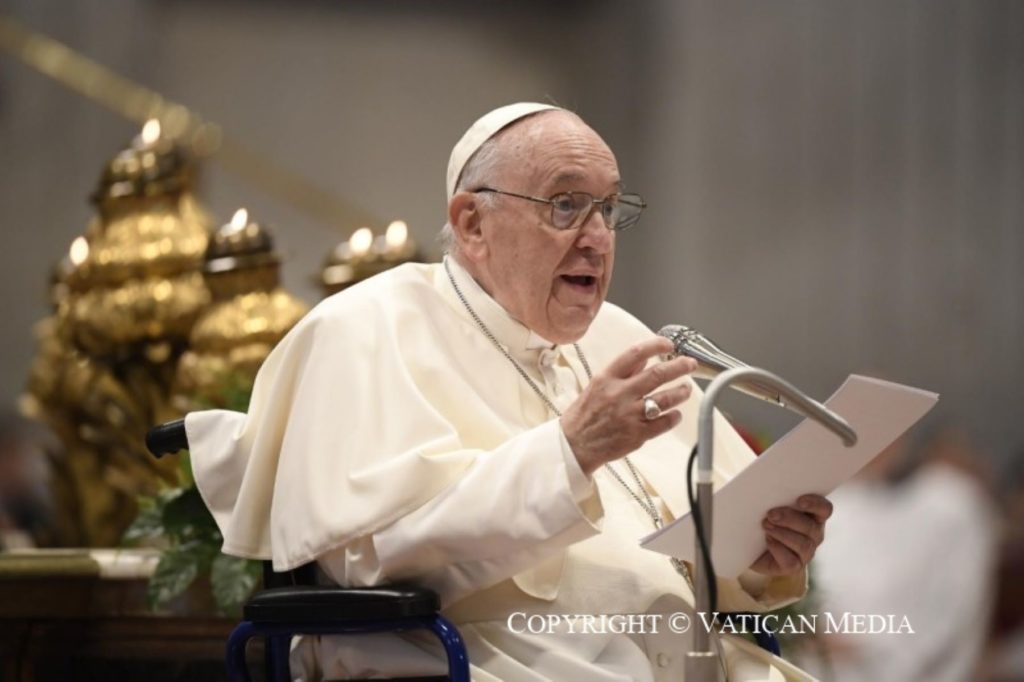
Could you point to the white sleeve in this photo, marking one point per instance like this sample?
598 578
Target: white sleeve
581 485
517 505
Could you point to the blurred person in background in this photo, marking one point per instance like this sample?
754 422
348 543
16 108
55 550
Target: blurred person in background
915 534
25 500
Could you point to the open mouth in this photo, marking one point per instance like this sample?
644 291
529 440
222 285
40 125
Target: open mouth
580 280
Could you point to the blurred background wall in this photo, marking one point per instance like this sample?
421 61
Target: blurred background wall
834 187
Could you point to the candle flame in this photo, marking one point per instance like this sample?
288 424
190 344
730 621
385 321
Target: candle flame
151 131
79 251
397 235
361 241
239 220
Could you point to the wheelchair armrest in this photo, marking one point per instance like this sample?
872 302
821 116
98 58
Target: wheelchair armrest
167 438
322 604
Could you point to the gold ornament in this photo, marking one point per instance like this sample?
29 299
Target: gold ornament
125 300
249 315
138 278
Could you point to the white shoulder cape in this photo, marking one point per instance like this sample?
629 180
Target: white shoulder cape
379 398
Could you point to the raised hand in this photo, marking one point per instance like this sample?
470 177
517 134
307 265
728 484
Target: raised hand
609 420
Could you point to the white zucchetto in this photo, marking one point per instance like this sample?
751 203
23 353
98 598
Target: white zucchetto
486 127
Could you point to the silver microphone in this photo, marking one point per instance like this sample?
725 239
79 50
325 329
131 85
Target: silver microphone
712 360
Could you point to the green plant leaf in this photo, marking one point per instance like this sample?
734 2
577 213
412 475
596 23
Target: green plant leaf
185 516
178 568
181 519
233 580
148 524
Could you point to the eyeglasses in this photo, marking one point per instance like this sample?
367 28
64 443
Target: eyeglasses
569 210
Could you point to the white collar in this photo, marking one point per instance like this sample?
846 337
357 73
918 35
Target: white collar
516 337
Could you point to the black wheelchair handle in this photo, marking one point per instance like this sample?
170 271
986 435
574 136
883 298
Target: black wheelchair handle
167 438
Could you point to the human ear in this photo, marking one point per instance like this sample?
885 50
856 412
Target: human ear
465 218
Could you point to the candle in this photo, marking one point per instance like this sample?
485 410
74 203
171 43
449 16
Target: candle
360 242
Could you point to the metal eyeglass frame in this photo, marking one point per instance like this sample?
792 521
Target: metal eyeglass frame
634 200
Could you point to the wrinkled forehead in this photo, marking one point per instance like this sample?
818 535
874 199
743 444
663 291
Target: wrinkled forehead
556 146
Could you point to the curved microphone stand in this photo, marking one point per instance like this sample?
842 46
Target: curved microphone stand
701 661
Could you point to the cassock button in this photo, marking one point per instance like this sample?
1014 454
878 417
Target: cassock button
663 661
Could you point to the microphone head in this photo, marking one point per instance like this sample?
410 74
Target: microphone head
674 333
711 360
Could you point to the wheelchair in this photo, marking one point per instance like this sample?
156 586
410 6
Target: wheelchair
291 603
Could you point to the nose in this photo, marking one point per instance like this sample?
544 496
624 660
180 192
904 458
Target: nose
595 234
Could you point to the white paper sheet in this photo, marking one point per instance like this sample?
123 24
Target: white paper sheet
808 459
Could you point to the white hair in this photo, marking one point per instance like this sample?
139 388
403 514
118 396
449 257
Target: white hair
479 171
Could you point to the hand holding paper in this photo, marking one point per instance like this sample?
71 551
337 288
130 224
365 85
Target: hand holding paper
793 534
808 459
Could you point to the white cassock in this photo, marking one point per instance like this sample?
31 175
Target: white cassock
389 439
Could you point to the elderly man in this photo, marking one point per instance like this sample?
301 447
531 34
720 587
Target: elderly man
491 428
